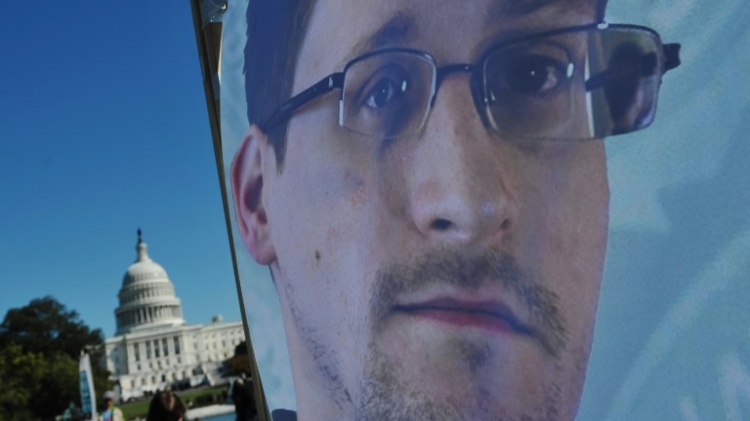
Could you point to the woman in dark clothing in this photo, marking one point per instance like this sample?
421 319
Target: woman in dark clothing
244 402
166 406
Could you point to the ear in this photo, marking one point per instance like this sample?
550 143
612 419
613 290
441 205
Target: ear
247 189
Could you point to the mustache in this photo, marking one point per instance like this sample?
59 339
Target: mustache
457 268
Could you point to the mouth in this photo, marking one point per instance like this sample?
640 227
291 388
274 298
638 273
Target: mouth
493 316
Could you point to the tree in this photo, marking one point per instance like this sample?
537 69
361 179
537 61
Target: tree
20 376
45 328
59 387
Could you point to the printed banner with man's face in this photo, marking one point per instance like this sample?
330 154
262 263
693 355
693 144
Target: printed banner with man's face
472 210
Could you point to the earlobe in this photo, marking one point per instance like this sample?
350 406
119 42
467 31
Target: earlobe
247 190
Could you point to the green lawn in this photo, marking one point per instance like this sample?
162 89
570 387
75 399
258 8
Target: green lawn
135 409
140 408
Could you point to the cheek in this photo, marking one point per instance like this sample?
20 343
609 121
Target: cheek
318 212
569 224
577 213
323 185
321 218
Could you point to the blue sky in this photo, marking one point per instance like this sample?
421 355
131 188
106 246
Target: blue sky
104 129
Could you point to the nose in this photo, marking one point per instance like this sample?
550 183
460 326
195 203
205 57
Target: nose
462 177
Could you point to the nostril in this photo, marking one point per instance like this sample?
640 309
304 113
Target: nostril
441 224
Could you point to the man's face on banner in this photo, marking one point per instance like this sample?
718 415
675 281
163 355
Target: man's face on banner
449 275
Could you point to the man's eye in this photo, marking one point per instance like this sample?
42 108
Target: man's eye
384 91
383 94
533 74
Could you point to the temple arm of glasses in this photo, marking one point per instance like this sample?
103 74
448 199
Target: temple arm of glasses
285 111
646 66
672 56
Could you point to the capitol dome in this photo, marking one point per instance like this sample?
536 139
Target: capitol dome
147 297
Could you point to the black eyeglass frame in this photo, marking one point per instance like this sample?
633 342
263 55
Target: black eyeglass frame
335 80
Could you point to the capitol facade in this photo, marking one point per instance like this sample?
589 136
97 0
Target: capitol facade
154 347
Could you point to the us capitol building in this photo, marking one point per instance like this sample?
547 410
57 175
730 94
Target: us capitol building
153 346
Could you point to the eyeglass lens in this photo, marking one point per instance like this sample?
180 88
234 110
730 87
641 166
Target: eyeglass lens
576 85
388 94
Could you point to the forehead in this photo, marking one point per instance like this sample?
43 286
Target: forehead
452 30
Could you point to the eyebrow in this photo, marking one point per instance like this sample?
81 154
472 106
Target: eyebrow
398 30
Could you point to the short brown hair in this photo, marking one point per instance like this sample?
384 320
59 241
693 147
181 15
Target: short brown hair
275 31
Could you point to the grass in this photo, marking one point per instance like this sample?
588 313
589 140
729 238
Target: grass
140 408
135 409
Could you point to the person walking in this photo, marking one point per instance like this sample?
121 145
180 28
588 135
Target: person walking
112 413
166 406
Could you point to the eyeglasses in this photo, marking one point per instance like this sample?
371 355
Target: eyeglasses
573 83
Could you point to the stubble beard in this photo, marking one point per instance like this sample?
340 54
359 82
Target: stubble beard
386 396
384 393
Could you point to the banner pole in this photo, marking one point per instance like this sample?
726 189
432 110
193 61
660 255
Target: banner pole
208 38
